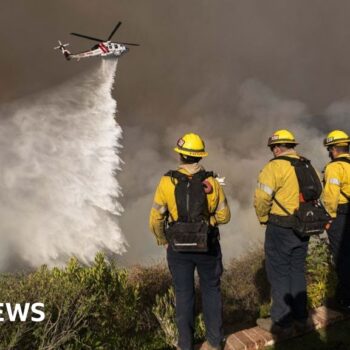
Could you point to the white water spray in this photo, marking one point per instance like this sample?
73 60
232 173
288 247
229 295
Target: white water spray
58 192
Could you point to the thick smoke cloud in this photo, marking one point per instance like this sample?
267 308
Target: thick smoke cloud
236 142
231 70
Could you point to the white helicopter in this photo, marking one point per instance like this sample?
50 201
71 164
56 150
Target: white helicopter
104 48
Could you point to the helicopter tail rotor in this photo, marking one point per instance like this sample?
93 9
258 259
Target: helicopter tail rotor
60 46
63 49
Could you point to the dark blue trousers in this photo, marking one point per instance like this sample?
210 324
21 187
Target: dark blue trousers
339 238
209 268
285 255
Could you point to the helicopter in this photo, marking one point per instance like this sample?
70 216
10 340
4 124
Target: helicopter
104 48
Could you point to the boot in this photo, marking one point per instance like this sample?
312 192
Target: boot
268 325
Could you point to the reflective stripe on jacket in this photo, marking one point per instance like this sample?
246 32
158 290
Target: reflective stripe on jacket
164 205
336 179
277 179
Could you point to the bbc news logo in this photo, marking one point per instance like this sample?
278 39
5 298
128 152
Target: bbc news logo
22 312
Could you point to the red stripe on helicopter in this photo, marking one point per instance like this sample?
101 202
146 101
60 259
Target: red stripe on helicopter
103 48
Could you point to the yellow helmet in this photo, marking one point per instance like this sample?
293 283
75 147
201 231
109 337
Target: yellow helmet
280 137
191 145
337 137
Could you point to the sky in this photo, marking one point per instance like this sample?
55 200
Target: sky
232 70
299 49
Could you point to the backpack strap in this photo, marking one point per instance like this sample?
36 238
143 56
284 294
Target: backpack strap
345 195
292 160
174 174
341 159
183 177
203 174
282 158
281 206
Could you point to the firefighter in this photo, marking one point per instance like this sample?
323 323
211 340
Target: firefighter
166 209
336 200
285 252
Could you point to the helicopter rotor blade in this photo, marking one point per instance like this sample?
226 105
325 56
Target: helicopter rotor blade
87 37
60 46
132 44
114 30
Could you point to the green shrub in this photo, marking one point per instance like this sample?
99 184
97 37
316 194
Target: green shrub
321 278
107 307
86 308
151 281
164 310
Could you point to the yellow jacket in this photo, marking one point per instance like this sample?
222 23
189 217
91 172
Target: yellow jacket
277 179
336 179
164 205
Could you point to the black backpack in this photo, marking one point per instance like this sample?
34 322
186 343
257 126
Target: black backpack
190 232
311 217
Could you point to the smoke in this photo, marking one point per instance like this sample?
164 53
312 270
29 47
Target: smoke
191 73
236 133
58 192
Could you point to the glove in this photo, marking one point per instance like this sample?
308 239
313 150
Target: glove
221 180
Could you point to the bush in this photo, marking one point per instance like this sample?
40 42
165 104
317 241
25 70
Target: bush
107 307
151 281
321 277
164 310
86 308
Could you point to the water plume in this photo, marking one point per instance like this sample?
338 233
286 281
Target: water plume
58 191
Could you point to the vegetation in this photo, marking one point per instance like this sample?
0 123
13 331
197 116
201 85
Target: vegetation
107 307
321 277
97 307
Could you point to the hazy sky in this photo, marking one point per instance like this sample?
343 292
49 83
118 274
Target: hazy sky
299 48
